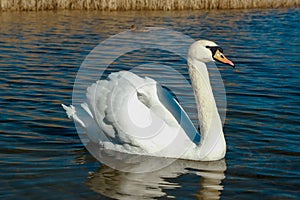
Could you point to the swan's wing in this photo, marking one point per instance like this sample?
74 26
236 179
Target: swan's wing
172 105
135 115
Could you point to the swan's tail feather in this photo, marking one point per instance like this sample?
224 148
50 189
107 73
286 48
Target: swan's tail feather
83 116
71 112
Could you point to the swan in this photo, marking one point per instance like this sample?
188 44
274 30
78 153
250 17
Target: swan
136 115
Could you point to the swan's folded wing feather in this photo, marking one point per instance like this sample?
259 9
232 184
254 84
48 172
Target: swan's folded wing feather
115 107
172 105
162 102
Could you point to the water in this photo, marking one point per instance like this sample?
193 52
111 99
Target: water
41 155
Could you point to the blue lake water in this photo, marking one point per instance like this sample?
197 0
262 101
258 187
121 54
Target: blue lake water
42 157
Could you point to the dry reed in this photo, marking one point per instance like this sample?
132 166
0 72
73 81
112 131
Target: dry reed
112 5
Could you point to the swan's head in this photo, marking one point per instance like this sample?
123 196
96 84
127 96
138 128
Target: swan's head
207 51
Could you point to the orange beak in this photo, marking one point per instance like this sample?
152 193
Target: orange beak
219 56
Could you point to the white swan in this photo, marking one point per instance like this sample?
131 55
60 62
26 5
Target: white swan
136 115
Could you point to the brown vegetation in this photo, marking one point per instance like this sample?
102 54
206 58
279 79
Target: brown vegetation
6 5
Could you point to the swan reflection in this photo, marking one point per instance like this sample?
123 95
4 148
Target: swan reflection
166 182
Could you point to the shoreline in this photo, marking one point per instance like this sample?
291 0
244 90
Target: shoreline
138 5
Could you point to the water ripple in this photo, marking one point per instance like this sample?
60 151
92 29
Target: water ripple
41 154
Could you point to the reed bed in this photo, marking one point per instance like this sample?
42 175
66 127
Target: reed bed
112 5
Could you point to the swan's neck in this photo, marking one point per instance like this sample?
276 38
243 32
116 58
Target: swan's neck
212 143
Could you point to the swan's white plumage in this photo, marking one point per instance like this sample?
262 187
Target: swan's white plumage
136 115
132 116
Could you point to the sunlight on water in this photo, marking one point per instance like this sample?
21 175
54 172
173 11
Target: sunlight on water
42 156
